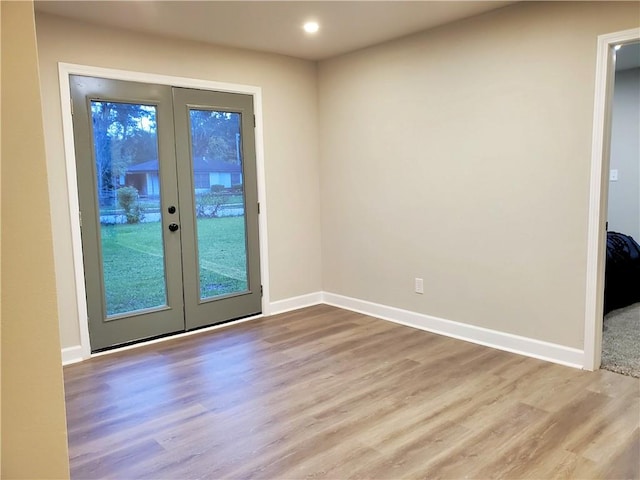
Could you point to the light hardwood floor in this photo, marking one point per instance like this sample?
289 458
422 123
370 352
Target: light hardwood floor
326 393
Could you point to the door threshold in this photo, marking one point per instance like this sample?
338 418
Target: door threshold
172 336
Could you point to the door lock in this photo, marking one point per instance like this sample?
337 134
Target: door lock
171 209
173 227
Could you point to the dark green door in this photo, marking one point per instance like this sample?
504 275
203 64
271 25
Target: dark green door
168 200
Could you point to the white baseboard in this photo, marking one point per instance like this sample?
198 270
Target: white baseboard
294 303
529 347
71 355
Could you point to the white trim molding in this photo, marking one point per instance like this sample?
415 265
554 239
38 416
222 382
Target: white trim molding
529 347
66 69
295 303
72 355
600 148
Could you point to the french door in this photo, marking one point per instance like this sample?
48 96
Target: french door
169 210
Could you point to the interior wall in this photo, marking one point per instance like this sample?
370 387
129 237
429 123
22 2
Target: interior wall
624 194
290 140
461 155
34 432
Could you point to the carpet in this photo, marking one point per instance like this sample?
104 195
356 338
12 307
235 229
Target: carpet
621 341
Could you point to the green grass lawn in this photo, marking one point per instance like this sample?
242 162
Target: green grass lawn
134 265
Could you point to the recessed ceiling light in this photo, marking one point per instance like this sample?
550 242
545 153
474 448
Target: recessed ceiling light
311 27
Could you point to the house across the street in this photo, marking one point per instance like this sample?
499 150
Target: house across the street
207 172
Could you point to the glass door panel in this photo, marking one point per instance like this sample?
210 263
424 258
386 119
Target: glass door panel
215 149
128 196
219 202
127 179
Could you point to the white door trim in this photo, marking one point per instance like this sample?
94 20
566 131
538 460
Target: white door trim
600 148
66 69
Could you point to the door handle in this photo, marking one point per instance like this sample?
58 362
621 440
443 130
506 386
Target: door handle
173 227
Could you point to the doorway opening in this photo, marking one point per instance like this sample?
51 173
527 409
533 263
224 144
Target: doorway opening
599 185
621 325
139 180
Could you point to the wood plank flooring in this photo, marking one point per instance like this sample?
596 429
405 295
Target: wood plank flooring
326 393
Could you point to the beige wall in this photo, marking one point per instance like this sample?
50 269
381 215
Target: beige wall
624 194
462 155
459 155
290 140
34 435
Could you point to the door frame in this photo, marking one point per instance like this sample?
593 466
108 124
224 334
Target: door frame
66 69
598 192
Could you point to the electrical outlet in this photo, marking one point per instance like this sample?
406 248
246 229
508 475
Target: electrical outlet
419 285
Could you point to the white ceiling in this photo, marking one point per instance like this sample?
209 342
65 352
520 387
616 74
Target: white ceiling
274 26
